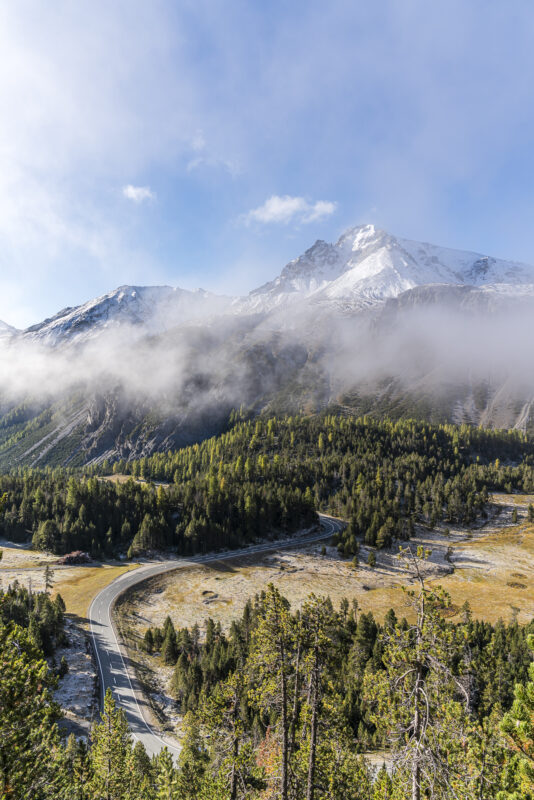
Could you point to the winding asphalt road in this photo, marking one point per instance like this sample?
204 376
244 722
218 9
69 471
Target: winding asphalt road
114 667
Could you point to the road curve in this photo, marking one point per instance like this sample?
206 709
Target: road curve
114 668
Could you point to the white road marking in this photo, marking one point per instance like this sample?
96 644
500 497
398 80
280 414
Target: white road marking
101 603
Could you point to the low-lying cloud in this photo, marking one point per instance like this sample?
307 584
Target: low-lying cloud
235 360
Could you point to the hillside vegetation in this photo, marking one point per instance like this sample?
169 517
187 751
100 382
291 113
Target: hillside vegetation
283 706
270 476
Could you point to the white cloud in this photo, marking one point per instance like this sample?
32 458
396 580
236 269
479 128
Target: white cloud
287 209
320 209
138 193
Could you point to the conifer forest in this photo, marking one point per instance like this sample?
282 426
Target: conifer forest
286 702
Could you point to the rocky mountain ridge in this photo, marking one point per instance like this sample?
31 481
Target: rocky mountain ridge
370 324
365 267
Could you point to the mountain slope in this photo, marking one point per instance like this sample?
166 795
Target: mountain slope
6 331
367 265
141 309
370 324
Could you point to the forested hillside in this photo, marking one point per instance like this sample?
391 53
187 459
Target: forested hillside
492 658
285 703
284 706
269 476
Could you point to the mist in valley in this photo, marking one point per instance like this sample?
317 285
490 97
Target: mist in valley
233 360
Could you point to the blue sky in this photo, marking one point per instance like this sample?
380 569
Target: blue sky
206 143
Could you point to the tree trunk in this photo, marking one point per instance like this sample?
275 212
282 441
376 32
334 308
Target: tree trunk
294 713
416 770
235 750
108 776
314 698
233 778
416 767
284 726
418 699
283 698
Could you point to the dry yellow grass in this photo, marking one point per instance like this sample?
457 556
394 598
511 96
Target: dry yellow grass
79 585
493 571
121 478
513 499
491 584
221 589
118 478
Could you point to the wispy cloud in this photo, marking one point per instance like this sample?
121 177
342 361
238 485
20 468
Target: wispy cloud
205 158
213 162
286 209
138 193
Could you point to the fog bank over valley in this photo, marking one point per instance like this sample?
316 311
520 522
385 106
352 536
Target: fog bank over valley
359 325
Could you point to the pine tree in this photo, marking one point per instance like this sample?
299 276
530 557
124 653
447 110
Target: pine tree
166 777
48 578
77 768
225 731
271 660
193 762
169 650
317 622
110 753
383 785
148 640
30 753
518 726
140 769
416 697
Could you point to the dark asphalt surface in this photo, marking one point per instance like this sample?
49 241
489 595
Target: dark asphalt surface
112 661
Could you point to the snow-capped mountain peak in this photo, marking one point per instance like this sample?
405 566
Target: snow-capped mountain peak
361 237
150 309
366 266
317 267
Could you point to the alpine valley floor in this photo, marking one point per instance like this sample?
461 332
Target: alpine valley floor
491 567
